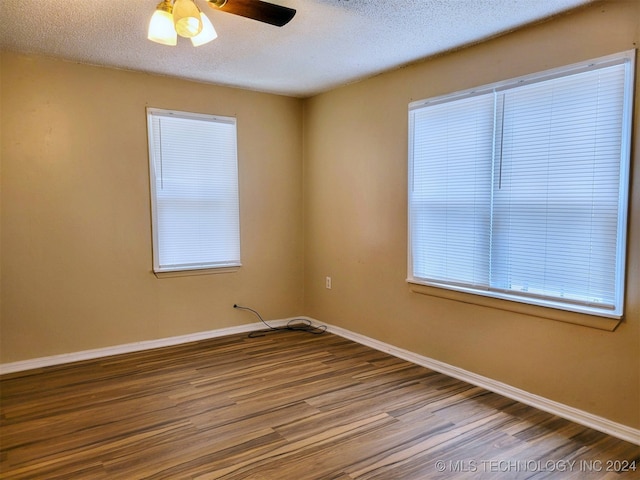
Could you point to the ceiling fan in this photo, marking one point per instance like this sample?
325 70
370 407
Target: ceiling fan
184 18
256 10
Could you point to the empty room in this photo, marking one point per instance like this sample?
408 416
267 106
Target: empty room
320 239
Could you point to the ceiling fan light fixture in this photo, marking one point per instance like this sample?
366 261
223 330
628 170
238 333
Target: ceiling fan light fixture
161 29
186 18
183 17
207 34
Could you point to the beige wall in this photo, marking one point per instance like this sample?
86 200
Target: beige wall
356 226
76 228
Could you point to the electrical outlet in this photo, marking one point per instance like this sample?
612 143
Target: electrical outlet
327 282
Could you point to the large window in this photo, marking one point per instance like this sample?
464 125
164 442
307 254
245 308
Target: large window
194 191
518 190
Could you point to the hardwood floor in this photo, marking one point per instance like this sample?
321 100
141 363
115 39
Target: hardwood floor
288 405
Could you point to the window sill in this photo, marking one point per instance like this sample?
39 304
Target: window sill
585 320
194 272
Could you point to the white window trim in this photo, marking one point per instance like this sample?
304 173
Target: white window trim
546 308
181 270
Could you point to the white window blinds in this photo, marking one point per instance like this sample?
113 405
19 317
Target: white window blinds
451 190
194 187
519 190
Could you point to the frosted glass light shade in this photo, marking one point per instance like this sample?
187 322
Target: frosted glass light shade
161 28
207 34
186 18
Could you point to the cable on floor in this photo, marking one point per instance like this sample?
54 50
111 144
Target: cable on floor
295 324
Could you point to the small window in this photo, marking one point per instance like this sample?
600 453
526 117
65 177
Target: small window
194 191
518 190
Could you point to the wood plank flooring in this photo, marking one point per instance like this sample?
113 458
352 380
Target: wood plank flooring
286 406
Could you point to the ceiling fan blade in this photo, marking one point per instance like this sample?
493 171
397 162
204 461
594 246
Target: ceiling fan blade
256 10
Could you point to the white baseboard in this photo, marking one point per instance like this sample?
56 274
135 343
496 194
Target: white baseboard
573 414
587 419
130 347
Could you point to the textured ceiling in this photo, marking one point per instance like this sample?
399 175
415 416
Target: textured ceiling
328 43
